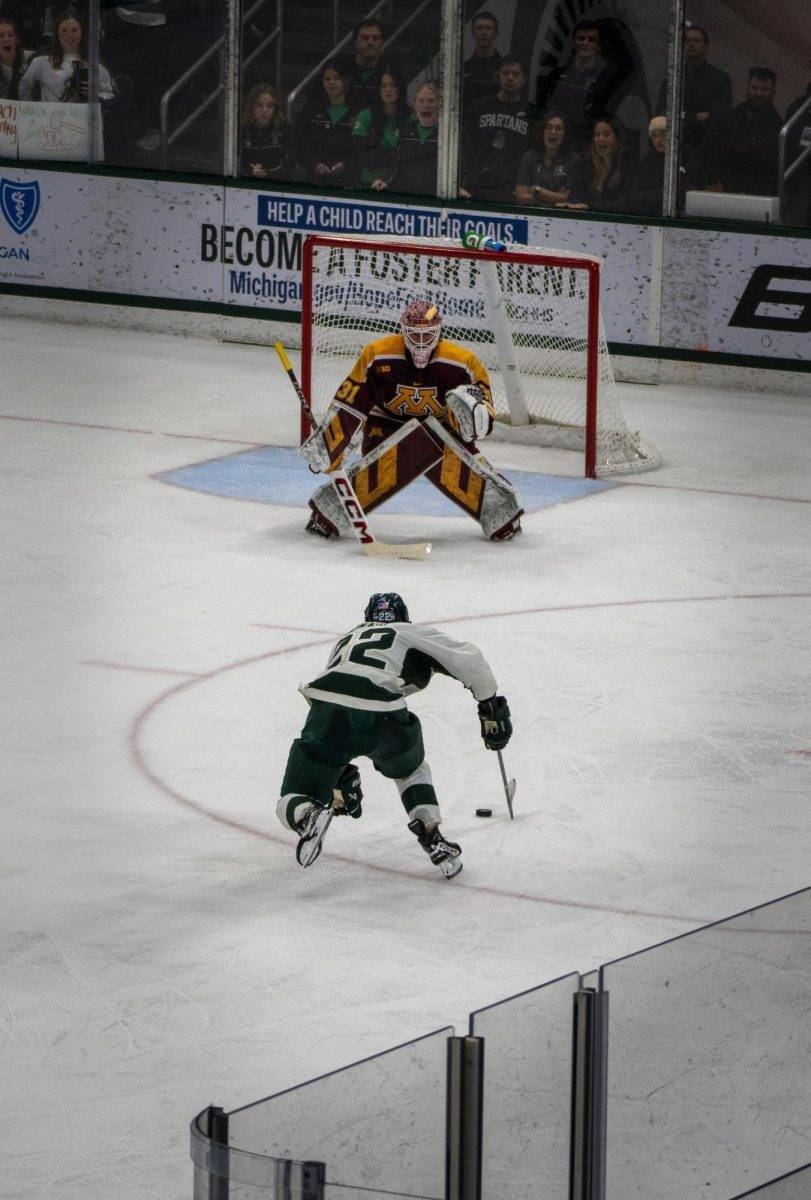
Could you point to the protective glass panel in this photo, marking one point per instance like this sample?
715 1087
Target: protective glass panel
54 91
743 80
165 58
336 104
709 1046
527 1092
609 66
377 1124
796 1186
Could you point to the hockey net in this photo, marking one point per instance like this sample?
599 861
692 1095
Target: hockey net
530 315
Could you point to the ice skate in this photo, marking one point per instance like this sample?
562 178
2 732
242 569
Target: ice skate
320 526
313 828
444 854
507 532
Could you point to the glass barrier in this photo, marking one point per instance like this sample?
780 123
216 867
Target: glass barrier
744 78
54 91
566 124
220 1172
708 1052
338 105
166 64
578 121
377 1124
527 1092
794 1186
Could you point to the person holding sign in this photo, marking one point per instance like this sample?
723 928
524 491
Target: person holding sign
63 73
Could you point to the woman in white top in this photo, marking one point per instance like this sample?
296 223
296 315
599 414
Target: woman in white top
61 74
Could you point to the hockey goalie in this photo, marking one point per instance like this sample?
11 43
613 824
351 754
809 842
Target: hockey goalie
418 404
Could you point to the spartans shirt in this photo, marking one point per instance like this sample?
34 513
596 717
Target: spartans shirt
376 666
385 384
496 137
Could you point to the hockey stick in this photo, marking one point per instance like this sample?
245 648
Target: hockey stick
509 788
346 493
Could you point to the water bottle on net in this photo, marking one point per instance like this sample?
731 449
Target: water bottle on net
480 241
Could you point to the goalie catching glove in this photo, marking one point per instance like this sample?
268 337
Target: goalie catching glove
470 416
497 729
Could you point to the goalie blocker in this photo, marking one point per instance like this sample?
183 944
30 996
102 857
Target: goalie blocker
425 448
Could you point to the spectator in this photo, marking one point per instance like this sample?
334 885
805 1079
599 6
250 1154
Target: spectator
13 59
604 175
381 128
496 137
266 148
582 88
543 172
417 153
63 73
326 148
364 71
741 147
650 180
33 20
705 90
480 71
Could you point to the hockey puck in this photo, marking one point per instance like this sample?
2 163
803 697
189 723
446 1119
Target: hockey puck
484 812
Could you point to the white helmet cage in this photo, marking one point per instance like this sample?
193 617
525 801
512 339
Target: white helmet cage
421 324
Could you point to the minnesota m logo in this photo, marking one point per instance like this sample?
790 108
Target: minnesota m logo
415 402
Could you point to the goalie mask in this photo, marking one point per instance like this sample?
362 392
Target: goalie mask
421 324
386 606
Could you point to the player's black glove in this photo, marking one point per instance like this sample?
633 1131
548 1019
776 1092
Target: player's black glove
347 792
497 728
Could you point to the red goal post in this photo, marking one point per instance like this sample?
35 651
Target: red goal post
532 315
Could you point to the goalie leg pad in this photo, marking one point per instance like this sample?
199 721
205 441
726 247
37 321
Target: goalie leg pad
472 483
381 473
393 464
329 512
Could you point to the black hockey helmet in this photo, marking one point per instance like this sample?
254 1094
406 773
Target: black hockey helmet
385 607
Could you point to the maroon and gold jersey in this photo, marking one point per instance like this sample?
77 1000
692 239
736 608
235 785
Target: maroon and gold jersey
385 389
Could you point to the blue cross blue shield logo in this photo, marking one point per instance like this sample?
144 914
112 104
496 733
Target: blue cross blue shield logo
19 203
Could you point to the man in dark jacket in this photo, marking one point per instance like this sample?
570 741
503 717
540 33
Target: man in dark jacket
740 149
706 91
496 137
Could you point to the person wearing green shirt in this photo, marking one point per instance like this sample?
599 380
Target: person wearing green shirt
379 129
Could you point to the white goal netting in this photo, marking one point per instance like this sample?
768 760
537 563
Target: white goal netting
530 315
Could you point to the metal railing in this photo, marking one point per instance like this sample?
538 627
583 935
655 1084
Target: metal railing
784 173
168 138
295 99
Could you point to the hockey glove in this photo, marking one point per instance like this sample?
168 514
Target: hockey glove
347 793
497 729
315 452
469 414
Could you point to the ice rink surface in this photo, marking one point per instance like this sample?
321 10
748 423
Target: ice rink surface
161 948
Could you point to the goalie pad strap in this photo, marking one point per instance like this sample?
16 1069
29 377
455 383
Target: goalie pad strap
471 482
383 472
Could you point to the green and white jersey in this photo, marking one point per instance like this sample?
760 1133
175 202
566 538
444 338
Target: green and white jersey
377 666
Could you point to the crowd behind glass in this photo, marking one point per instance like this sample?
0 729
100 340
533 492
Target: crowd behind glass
370 122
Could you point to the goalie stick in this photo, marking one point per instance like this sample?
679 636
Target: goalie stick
346 493
509 788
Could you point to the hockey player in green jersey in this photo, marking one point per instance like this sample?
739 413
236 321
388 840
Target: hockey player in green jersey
358 708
